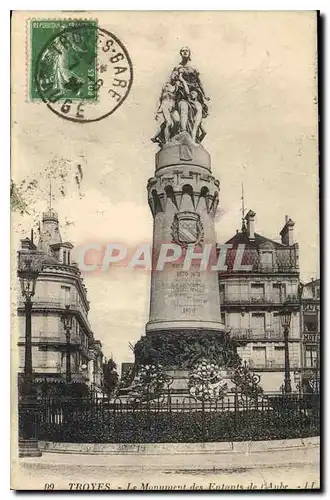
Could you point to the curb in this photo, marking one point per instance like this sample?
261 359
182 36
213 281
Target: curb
238 447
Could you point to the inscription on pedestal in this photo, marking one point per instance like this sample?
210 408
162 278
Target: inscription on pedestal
187 292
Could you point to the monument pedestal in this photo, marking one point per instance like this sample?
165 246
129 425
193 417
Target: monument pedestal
180 379
183 197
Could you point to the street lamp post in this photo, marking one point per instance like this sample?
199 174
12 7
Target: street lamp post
67 323
297 380
28 271
285 316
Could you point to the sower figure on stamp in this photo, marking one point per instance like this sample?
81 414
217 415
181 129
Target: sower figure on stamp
63 56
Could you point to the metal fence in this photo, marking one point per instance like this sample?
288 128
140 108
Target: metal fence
234 418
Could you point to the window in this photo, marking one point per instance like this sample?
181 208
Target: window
258 323
276 324
311 356
279 352
279 292
266 260
65 294
257 292
42 357
310 323
233 291
259 356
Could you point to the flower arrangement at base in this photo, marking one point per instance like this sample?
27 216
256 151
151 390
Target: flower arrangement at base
149 382
246 384
207 381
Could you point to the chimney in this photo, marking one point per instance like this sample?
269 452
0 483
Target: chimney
250 224
287 232
27 244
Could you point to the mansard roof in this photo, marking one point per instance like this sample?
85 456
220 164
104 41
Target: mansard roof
259 241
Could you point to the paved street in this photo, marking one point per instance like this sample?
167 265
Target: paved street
179 471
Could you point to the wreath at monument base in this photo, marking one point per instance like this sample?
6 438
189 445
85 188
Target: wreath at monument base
183 349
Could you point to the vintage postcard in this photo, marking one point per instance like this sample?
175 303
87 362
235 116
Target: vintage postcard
165 251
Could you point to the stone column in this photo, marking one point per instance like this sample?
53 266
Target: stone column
183 197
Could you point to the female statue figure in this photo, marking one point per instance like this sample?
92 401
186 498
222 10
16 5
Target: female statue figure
190 95
182 103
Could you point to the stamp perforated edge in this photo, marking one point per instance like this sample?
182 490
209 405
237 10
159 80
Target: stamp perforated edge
28 23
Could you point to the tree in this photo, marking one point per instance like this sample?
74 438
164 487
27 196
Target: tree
110 377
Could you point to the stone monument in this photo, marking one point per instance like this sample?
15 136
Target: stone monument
183 196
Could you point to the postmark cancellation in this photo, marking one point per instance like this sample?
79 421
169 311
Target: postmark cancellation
81 71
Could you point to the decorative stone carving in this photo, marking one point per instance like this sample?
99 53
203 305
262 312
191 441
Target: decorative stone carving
187 228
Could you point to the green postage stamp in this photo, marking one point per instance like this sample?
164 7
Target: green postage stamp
63 60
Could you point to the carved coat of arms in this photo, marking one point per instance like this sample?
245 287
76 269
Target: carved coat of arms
187 229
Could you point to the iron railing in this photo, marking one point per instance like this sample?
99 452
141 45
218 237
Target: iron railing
163 419
254 299
284 260
55 304
75 339
254 335
250 334
272 363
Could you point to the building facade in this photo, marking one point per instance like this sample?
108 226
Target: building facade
59 284
252 296
311 329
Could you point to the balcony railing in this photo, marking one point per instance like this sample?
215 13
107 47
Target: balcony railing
250 299
284 260
57 339
272 364
79 377
261 335
57 374
57 305
60 340
249 334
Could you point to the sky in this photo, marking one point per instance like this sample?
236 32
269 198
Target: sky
259 70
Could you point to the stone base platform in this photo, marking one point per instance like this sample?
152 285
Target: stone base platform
29 448
187 449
